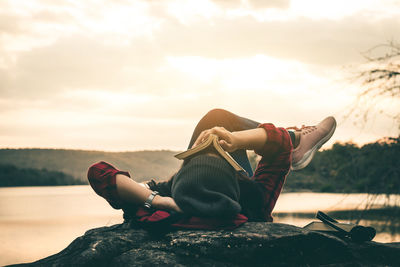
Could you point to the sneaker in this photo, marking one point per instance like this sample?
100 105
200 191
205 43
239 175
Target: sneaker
312 138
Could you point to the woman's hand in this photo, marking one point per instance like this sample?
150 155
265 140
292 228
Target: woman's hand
228 140
252 139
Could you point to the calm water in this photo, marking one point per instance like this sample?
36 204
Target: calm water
36 222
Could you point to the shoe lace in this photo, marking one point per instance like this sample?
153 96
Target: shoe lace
304 129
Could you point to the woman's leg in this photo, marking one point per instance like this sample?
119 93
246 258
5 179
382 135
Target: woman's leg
231 122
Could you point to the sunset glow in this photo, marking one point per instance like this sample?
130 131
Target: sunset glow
129 75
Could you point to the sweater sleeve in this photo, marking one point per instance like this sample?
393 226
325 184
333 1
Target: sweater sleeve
277 139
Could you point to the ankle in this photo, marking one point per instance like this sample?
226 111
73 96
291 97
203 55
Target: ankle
297 137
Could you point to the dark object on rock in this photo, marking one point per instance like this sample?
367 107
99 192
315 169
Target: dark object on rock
253 244
357 233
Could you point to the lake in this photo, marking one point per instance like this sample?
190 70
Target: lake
36 222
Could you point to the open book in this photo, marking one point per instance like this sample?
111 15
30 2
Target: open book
210 145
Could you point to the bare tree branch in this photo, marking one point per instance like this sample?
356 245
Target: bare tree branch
394 51
380 79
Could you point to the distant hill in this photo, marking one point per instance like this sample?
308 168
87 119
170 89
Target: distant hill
344 168
142 165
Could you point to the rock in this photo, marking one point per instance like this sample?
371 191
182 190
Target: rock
253 244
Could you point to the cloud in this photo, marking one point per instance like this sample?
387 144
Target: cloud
80 62
261 4
91 62
137 65
52 16
322 42
256 4
8 25
228 3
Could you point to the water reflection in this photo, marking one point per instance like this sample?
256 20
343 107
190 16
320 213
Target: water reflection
36 222
385 221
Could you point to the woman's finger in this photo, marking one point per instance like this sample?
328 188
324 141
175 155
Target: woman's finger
203 135
198 140
223 134
226 146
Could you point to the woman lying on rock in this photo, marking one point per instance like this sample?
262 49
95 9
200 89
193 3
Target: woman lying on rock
207 192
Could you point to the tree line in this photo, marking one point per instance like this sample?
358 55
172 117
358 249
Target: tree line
11 175
346 168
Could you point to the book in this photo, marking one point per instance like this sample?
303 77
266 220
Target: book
323 227
356 232
211 144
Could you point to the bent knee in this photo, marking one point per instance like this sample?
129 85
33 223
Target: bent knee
216 112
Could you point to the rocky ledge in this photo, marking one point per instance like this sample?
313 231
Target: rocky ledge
252 244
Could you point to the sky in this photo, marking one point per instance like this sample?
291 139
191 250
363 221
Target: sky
133 75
